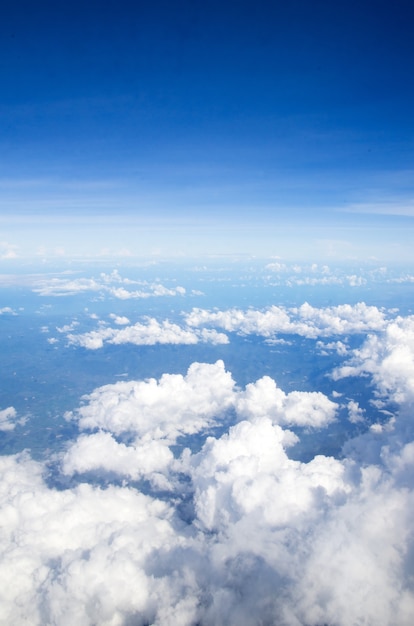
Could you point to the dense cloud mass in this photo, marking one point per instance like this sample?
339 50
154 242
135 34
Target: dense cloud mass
154 414
233 532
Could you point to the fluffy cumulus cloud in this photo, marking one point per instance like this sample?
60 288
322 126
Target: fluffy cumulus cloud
148 333
153 414
265 399
389 358
101 452
166 408
306 320
121 320
235 475
355 413
235 531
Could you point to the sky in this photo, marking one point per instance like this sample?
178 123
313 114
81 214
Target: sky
226 439
159 128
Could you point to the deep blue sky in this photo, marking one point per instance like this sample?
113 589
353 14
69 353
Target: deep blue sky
234 126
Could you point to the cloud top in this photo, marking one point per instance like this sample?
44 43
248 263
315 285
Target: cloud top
235 530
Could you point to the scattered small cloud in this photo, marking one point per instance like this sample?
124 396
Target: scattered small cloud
120 320
8 419
7 310
355 413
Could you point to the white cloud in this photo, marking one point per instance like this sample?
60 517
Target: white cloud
407 278
247 534
165 409
356 281
100 452
265 399
276 267
79 556
155 413
156 289
313 275
313 280
111 284
389 358
154 332
8 419
121 320
261 322
247 474
149 333
306 320
65 286
355 413
359 566
6 310
335 543
67 328
338 346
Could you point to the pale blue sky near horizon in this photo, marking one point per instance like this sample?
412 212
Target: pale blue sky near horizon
179 128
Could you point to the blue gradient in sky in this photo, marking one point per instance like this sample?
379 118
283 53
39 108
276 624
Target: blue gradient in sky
181 127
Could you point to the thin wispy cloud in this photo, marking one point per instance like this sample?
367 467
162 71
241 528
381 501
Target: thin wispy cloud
397 208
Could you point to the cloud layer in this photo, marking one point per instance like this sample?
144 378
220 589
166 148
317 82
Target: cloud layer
112 284
235 530
200 326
